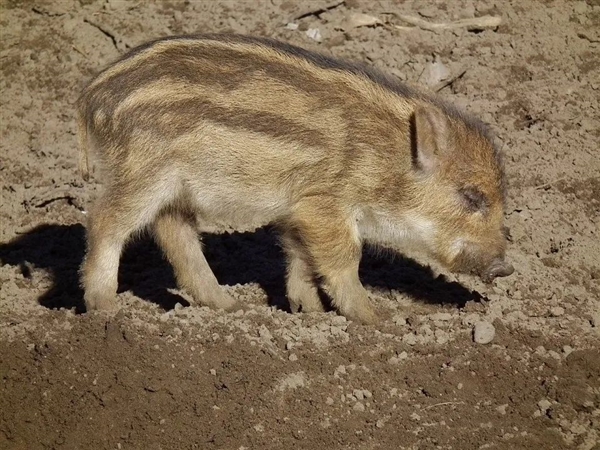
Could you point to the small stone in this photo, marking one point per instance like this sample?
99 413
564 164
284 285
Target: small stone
314 34
264 333
358 394
567 350
399 319
441 337
338 320
595 320
502 408
380 423
460 386
293 357
557 311
213 372
544 405
580 7
359 407
409 338
483 332
339 371
394 360
435 72
367 393
329 401
553 354
291 26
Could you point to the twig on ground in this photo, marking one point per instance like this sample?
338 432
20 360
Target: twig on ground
319 10
449 82
443 404
471 24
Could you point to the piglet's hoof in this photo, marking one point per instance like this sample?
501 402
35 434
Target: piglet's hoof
364 316
100 303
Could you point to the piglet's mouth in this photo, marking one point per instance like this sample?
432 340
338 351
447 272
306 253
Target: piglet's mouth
498 268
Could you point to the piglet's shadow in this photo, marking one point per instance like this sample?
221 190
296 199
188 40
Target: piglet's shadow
237 258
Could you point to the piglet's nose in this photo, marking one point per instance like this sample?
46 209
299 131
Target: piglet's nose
498 268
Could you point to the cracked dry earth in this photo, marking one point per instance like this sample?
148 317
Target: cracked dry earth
161 374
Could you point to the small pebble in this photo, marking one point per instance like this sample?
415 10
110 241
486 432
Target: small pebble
293 357
441 337
553 354
358 394
358 406
264 333
557 311
314 34
484 332
544 405
409 339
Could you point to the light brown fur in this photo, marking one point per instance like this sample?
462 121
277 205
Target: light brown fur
197 131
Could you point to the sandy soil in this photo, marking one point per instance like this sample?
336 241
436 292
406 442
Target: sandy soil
161 374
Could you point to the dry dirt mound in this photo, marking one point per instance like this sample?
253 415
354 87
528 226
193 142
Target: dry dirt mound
164 374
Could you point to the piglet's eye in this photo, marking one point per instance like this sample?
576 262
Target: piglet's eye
473 199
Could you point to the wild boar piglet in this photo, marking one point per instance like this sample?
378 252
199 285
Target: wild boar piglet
195 132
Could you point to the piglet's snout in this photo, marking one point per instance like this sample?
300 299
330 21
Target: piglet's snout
498 268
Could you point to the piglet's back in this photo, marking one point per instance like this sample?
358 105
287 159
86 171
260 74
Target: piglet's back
173 86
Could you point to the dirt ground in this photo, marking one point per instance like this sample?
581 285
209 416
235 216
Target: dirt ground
161 374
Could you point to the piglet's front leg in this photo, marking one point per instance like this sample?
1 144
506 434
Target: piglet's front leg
330 238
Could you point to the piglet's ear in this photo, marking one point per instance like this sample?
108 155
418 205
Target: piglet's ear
429 134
